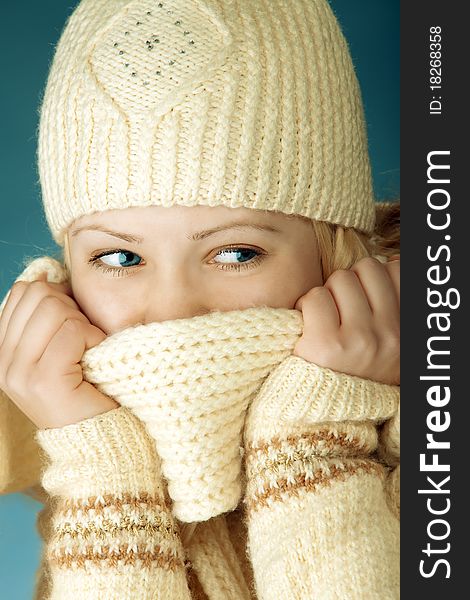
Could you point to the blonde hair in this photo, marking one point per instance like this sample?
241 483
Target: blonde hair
341 247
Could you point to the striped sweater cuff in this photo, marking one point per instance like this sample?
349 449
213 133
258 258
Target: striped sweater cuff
111 534
308 427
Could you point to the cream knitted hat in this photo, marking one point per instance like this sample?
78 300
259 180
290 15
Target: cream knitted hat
240 103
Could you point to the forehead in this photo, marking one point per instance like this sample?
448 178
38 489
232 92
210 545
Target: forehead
152 216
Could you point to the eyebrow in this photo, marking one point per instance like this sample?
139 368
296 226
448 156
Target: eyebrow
198 235
124 236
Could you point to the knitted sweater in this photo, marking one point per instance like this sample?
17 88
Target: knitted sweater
287 467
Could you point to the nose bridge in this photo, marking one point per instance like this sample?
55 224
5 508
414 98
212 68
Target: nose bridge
174 295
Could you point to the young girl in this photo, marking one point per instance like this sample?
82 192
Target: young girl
212 373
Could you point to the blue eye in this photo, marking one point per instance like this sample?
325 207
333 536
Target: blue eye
118 258
243 254
236 258
124 257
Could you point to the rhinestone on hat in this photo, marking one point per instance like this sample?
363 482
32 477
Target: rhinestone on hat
162 71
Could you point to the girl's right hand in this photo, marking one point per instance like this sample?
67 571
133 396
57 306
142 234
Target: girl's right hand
43 336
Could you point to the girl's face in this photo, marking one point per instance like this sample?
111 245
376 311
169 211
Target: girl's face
140 265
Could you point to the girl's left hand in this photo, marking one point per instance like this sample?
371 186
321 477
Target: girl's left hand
352 322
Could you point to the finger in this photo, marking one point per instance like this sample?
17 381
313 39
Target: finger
41 327
349 296
319 311
16 292
19 288
68 345
24 303
377 286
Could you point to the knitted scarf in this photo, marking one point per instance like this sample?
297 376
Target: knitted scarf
190 381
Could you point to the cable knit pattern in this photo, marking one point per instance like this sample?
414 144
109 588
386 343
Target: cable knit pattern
204 102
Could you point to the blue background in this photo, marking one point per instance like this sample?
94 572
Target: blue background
29 32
